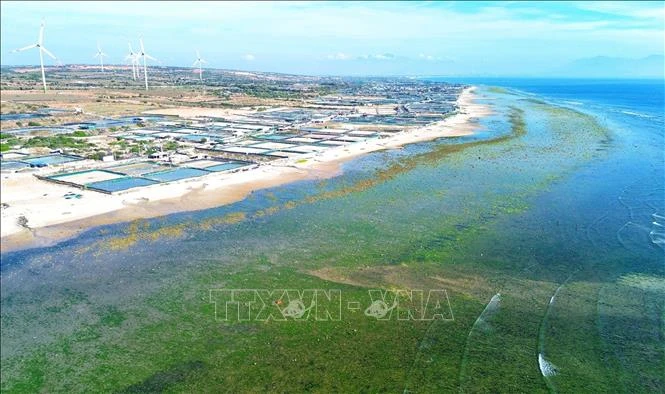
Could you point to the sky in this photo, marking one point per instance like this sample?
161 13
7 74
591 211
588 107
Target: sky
345 38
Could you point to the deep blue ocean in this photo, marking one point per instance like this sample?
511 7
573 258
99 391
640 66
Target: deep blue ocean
636 97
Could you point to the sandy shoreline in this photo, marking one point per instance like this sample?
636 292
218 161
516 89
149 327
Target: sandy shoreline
51 217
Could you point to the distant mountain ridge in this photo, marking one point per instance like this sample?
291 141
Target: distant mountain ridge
608 67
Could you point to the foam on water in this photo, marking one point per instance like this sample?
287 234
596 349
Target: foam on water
657 233
481 323
638 114
547 369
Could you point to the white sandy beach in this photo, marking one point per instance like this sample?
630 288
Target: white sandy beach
51 217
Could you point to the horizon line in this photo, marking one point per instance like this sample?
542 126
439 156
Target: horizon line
412 76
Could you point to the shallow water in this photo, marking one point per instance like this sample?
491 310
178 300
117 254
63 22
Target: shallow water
542 198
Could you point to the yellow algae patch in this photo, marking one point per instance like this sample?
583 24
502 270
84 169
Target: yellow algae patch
139 230
267 211
168 231
231 218
644 282
130 239
205 225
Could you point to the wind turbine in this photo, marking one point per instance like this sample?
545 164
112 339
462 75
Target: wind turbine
200 62
100 55
42 51
134 58
145 66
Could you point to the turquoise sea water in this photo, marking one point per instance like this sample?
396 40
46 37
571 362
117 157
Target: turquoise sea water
556 204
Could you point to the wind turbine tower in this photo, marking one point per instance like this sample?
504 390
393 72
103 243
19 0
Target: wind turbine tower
134 58
100 55
200 62
42 50
145 66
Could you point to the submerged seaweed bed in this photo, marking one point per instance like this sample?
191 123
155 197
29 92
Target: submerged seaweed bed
525 225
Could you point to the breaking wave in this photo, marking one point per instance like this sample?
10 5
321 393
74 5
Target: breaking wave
547 369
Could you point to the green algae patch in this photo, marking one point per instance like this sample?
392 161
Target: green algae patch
164 380
497 90
111 316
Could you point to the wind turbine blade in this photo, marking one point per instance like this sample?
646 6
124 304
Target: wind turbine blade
46 51
96 55
195 63
150 57
198 55
25 48
41 33
141 42
202 61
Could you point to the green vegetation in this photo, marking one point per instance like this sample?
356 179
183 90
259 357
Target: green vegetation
55 142
99 155
265 91
120 143
171 145
78 133
7 141
32 123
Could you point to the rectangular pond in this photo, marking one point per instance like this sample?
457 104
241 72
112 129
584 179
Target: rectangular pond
118 184
135 169
175 174
87 177
21 116
51 159
274 136
226 166
12 165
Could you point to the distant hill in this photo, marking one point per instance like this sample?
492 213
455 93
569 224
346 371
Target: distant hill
614 67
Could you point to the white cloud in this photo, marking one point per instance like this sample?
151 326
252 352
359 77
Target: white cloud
249 57
379 56
339 56
436 58
384 56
